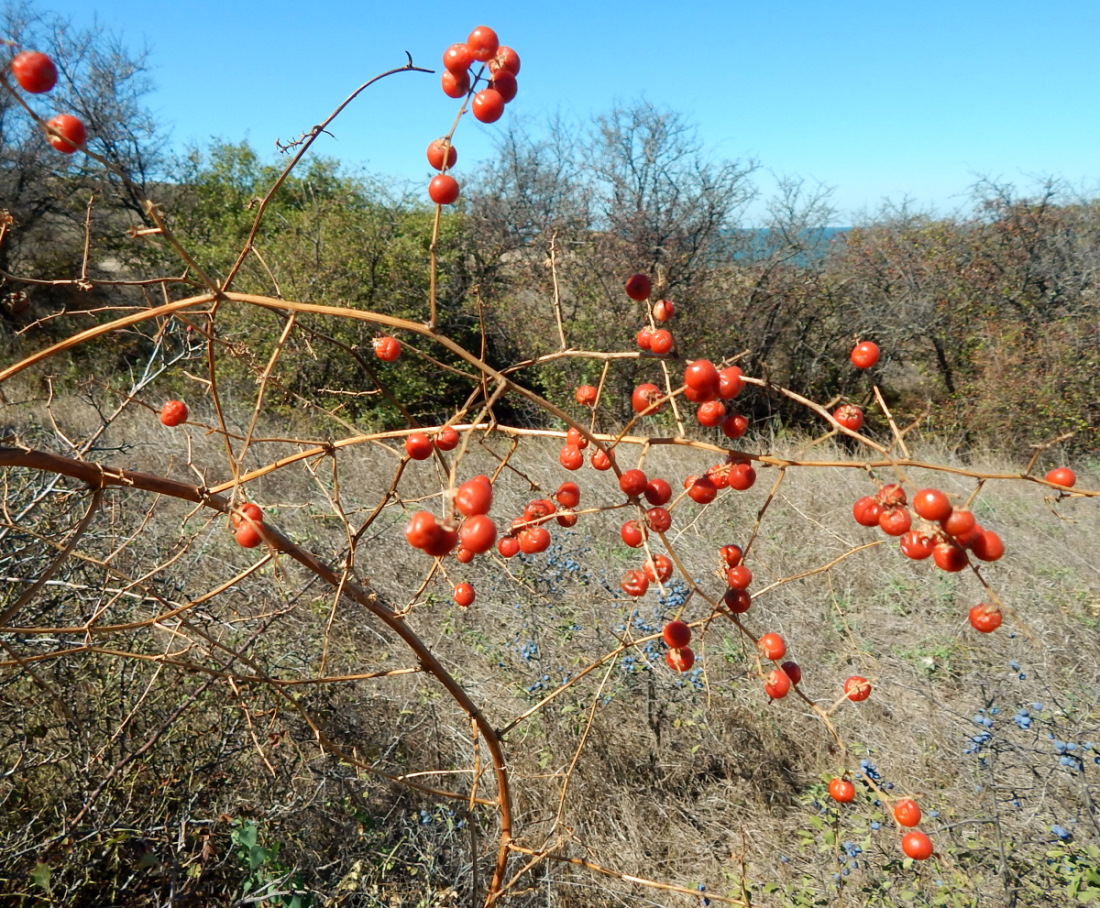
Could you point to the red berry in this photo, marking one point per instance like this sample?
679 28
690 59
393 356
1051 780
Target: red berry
248 536
600 460
246 513
711 413
849 416
34 71
867 512
857 688
741 476
645 397
464 556
421 530
638 287
680 659
457 59
659 568
571 457
488 105
644 337
917 846
988 546
442 154
719 474
568 495
504 83
444 542
985 618
734 426
477 534
633 482
455 85
737 601
777 684
907 812
676 634
575 438
387 348
731 555
474 496
418 446
842 791
891 496
446 439
443 189
1062 476
663 310
730 382
916 545
657 491
533 540
173 413
895 522
702 377
658 520
932 504
586 395
633 534
949 557
864 355
464 595
508 546
634 583
566 519
506 60
701 490
958 522
483 43
772 646
66 133
660 341
738 577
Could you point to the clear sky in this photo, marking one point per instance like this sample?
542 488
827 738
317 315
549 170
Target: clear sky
880 99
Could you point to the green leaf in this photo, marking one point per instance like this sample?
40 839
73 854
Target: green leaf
41 876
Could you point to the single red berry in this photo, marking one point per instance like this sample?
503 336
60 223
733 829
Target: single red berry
842 791
658 520
771 646
246 513
600 460
506 60
663 310
988 546
488 105
742 476
173 413
891 496
895 521
66 133
443 543
958 522
446 439
985 618
638 287
658 568
464 556
731 555
477 534
917 846
735 425
949 557
442 154
575 437
34 71
711 413
916 545
457 59
421 530
586 395
443 189
719 474
505 84
464 595
701 490
644 338
738 577
645 397
932 504
248 536
566 519
702 377
568 495
633 482
508 546
418 446
483 43
737 601
777 684
533 540
455 85
907 812
657 491
633 533
660 341
1062 476
571 457
676 634
387 348
857 688
867 512
849 416
864 354
474 496
730 382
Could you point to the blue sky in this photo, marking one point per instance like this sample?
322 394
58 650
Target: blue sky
876 99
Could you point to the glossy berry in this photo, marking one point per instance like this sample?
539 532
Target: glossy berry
988 546
737 601
508 546
793 670
657 491
663 310
586 395
738 577
702 489
173 413
633 534
711 413
483 43
248 536
488 105
772 646
446 439
246 513
477 534
568 495
66 133
644 338
660 341
443 189
645 397
638 287
658 520
474 496
916 545
676 634
455 85
680 659
865 354
777 684
1062 476
571 457
442 154
958 522
457 59
464 595
633 482
734 426
849 416
731 555
505 85
907 812
917 846
506 60
566 519
659 568
741 476
702 377
857 688
895 521
949 557
842 791
34 71
730 382
418 446
576 438
932 504
600 460
421 530
534 540
985 618
867 512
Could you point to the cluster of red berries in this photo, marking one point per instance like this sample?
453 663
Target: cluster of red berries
907 814
419 446
35 72
487 105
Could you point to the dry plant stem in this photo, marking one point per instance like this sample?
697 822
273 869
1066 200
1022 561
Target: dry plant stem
899 437
304 147
100 477
433 265
557 290
279 344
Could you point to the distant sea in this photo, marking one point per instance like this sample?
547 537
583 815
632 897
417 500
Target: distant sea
755 243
